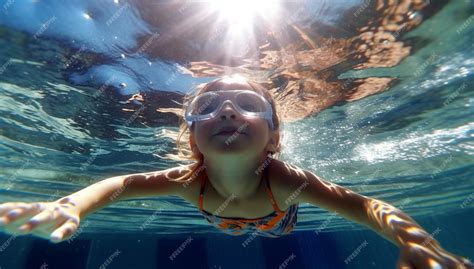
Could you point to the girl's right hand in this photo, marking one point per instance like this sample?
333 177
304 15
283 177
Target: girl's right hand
49 220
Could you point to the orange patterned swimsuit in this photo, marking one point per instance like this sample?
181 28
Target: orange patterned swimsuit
276 224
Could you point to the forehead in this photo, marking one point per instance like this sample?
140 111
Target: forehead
231 86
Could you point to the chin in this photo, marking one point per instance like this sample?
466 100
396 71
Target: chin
232 148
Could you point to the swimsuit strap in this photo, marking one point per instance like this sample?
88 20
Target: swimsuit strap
201 193
269 190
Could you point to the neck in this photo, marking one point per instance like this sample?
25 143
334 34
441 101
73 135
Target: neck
236 176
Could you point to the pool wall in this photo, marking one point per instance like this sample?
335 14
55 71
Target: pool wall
344 249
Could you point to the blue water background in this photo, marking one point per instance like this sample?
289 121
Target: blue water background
411 145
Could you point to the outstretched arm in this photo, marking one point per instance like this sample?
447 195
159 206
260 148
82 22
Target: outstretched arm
139 185
60 219
418 248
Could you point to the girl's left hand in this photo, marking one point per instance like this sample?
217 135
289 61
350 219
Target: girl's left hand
417 256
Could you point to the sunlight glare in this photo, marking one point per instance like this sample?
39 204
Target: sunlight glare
239 19
243 11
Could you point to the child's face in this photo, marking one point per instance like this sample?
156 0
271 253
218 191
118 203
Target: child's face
230 132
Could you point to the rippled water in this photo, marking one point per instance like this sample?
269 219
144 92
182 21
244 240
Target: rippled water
411 145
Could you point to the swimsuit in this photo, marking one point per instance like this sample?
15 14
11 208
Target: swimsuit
274 225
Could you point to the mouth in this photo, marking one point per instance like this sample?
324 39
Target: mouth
229 131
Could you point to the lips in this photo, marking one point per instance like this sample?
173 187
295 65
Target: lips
228 130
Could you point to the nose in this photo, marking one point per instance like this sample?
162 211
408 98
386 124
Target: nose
227 112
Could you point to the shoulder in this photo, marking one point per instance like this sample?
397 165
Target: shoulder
296 185
187 181
285 180
302 186
180 181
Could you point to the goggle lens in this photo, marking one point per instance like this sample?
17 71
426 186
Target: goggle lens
208 103
247 103
250 103
204 104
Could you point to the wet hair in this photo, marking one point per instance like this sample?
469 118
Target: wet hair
184 151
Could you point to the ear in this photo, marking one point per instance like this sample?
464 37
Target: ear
272 144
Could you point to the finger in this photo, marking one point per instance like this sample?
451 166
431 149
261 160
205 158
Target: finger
448 259
32 225
44 231
11 217
64 231
5 207
40 221
404 264
41 233
466 263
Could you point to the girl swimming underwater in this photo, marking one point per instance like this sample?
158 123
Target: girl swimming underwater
233 136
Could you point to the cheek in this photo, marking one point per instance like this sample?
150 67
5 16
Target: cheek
202 128
201 133
259 125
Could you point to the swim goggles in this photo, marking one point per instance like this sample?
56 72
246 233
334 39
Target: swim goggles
246 102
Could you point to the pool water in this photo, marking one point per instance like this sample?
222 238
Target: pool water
395 124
